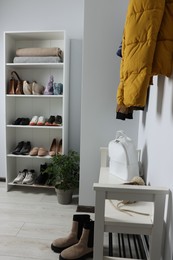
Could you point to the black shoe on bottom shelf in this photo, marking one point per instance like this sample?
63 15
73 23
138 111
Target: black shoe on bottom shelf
43 176
41 179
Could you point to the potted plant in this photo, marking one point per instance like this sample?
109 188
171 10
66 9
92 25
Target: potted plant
63 173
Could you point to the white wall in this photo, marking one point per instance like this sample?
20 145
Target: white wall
103 27
156 141
31 15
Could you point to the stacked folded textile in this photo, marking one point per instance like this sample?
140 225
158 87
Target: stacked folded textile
48 59
38 55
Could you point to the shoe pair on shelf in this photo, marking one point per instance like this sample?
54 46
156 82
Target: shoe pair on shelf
56 147
21 121
41 120
25 177
29 176
22 148
37 120
54 121
38 151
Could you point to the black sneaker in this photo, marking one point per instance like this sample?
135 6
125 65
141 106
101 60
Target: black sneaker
50 120
58 120
17 121
25 121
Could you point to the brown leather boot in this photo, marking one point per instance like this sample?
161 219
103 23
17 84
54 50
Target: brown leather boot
84 248
73 237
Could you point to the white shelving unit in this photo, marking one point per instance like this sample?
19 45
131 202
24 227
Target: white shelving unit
29 105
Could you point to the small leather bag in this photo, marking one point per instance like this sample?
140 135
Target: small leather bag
123 157
57 88
15 84
27 87
37 89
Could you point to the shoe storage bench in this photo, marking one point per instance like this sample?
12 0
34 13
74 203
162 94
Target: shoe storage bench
147 221
43 105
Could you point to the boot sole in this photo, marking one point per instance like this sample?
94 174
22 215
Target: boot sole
58 249
80 258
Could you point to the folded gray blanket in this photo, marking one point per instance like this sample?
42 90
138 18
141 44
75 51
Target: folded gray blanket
36 59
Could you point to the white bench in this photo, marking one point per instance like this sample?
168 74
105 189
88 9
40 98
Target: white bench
149 200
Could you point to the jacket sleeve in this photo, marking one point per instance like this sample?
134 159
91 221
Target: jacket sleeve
141 29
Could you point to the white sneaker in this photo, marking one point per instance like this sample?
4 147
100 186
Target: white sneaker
20 177
41 120
29 178
34 120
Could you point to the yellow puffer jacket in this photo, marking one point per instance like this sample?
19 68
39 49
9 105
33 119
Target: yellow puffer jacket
147 50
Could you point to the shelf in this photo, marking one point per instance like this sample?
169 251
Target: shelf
28 156
34 96
116 258
34 127
33 185
36 35
35 65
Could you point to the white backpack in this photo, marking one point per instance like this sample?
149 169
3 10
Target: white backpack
123 157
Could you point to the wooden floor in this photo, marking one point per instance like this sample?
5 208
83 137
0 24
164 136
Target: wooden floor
29 221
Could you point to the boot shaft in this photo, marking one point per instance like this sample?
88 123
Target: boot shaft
74 236
81 219
87 236
84 248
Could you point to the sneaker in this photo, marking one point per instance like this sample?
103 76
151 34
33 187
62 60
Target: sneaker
34 120
41 121
17 121
25 121
29 178
20 177
50 121
58 120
